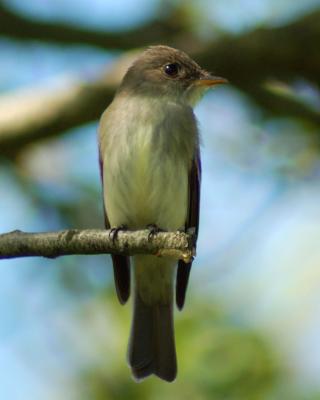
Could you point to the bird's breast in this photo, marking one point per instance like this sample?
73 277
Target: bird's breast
146 167
145 185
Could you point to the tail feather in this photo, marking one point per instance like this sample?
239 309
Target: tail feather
151 345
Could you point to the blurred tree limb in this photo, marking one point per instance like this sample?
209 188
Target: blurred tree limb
31 115
14 244
21 27
284 53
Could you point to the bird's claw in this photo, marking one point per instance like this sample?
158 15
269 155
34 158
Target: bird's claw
113 234
153 230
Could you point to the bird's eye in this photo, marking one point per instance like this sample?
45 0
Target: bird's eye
172 69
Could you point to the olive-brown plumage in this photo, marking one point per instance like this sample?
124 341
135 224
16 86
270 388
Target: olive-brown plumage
150 168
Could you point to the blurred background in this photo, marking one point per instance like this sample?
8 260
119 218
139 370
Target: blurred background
251 325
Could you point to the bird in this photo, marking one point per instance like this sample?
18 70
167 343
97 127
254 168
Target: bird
149 154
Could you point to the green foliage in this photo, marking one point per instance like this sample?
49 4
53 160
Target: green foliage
217 360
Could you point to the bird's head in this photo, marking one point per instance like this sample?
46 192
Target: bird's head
163 71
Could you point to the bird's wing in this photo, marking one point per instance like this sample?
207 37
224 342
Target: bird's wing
121 264
192 222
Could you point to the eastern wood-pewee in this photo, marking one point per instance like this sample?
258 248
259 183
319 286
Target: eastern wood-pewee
150 168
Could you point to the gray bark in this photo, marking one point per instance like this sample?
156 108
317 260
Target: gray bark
178 245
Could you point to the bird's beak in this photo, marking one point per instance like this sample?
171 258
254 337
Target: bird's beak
209 80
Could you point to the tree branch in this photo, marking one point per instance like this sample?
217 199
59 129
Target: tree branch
15 244
248 61
23 28
285 54
282 53
40 113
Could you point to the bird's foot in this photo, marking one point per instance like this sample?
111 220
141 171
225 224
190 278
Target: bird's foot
114 232
153 230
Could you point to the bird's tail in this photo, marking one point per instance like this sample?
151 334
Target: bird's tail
151 345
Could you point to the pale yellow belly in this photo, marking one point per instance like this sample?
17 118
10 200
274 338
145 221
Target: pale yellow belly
146 188
158 195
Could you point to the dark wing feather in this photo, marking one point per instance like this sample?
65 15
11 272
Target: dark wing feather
192 222
121 264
